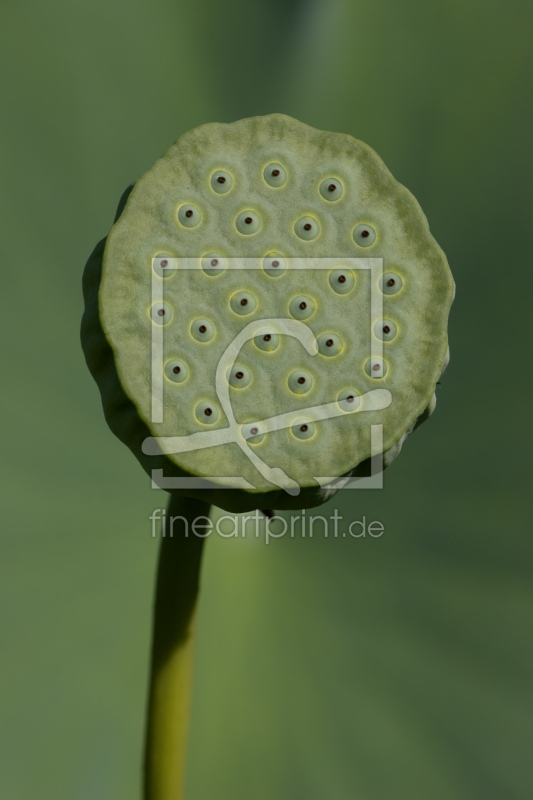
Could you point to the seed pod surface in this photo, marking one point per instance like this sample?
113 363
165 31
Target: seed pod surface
240 232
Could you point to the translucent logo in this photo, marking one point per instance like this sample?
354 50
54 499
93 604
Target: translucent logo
241 434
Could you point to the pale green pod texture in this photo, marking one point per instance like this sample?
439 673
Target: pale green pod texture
332 198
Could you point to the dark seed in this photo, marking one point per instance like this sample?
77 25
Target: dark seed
239 375
254 430
161 312
342 278
208 412
386 329
301 379
221 179
307 226
248 220
365 234
303 428
164 263
188 213
267 337
244 301
332 187
329 343
275 263
202 329
350 398
275 172
303 305
176 370
376 367
391 282
214 262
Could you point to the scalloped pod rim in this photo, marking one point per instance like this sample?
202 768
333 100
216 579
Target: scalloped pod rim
270 189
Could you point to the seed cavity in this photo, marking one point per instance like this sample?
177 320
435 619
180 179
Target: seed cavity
275 175
239 376
341 281
163 265
302 307
266 340
243 303
303 429
375 368
206 412
364 235
385 330
329 344
274 265
306 228
202 330
213 264
161 313
176 371
253 432
221 182
189 216
390 283
349 399
248 222
331 189
300 381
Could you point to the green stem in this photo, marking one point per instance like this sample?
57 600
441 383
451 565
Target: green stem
169 696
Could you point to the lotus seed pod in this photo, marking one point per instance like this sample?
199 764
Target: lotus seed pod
295 286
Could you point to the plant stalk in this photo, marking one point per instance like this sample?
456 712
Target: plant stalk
176 593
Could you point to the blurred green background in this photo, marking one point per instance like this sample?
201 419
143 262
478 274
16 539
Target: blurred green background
396 668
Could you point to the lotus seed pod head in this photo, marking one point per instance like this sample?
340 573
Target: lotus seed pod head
268 297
